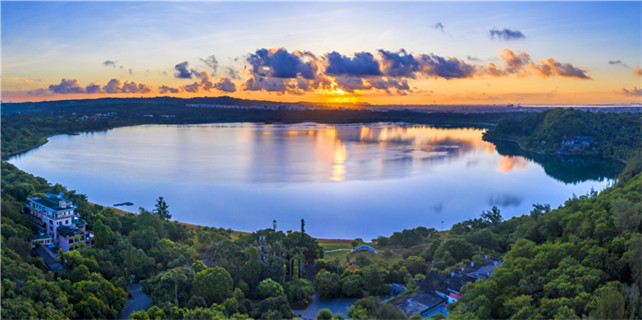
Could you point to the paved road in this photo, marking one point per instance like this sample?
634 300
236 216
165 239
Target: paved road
47 256
138 301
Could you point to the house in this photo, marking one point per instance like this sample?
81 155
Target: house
57 222
420 303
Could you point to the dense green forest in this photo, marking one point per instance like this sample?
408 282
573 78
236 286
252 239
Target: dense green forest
581 259
568 131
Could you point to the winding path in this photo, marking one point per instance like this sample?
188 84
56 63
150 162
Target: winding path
138 301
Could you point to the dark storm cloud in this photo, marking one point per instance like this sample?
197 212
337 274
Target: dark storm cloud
280 63
404 65
116 86
212 63
71 86
113 86
94 88
447 68
506 34
348 83
399 64
439 26
225 85
386 84
133 87
277 70
40 92
109 63
165 89
205 84
363 64
182 71
67 86
258 83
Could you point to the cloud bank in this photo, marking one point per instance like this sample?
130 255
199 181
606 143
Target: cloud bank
277 70
72 86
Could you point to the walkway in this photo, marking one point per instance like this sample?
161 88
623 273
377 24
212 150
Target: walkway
335 305
48 257
138 301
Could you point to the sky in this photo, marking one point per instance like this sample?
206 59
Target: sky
414 53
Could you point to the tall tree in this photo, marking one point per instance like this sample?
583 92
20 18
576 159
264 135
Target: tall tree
162 209
302 226
213 284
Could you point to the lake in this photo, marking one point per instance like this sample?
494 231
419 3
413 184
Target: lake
346 181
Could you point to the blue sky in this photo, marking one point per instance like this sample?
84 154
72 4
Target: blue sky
43 42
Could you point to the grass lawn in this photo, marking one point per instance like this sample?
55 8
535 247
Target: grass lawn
339 248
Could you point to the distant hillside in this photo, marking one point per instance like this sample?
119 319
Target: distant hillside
112 104
574 132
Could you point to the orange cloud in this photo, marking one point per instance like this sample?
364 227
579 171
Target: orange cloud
520 63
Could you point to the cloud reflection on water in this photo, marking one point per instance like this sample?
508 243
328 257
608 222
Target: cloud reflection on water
283 153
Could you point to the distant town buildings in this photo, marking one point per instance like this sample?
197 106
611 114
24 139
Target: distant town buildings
58 223
289 107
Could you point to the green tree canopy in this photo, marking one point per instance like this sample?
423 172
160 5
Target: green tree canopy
213 284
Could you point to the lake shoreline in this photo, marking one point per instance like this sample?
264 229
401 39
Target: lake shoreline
322 241
374 160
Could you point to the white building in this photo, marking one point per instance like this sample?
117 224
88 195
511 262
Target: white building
58 222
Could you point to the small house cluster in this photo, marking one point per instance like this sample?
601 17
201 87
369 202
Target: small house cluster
437 291
57 222
575 144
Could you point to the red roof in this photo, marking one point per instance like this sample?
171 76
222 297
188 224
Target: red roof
454 296
352 267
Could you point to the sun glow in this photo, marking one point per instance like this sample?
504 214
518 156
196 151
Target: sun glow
337 95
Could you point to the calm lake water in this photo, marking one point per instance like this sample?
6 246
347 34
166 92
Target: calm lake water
346 181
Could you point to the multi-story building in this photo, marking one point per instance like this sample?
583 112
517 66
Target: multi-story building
58 222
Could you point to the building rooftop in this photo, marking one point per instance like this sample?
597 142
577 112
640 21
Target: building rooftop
364 247
53 201
484 271
66 231
419 303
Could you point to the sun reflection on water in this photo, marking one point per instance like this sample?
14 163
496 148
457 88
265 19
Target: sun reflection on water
339 169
